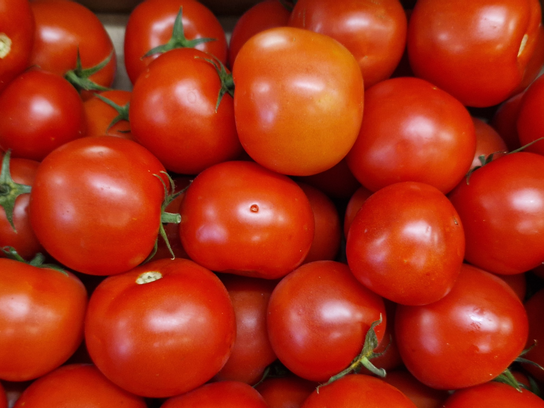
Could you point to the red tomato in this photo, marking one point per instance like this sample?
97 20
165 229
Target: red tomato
530 124
477 50
252 351
414 256
105 195
358 390
40 112
518 283
374 32
501 208
16 38
354 204
504 121
285 392
41 317
174 113
318 317
239 217
535 64
493 395
161 329
224 394
151 23
488 142
412 131
298 102
108 117
76 385
420 394
468 337
535 341
66 28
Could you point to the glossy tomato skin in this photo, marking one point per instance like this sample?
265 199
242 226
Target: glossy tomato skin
150 24
238 217
468 337
105 195
173 113
374 32
81 385
356 390
501 209
16 39
40 112
412 131
414 256
99 115
163 337
529 123
488 142
41 317
477 51
318 317
299 100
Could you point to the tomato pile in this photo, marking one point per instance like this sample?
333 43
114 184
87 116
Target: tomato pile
342 205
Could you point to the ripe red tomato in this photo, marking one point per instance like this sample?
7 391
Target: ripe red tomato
413 257
468 337
108 117
298 102
41 319
493 394
412 131
284 392
3 397
477 51
420 394
105 195
76 385
504 121
238 217
151 23
488 142
374 32
40 112
16 38
529 123
318 317
161 329
354 204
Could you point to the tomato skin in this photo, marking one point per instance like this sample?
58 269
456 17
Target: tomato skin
80 385
529 123
504 121
374 32
92 189
99 115
42 312
501 209
354 204
299 100
488 142
150 24
161 338
238 207
285 392
534 307
468 337
473 50
173 113
41 111
412 131
420 394
17 36
318 317
414 257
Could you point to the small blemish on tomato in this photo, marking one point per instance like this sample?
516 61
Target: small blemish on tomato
254 208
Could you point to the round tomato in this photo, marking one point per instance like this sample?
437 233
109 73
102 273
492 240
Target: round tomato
529 123
161 329
504 121
298 102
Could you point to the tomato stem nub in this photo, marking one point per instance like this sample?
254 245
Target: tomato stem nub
10 190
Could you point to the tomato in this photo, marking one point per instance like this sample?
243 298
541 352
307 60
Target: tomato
161 329
66 29
41 317
374 32
151 23
318 317
107 114
488 143
504 121
518 283
493 395
285 392
529 123
252 352
40 112
238 217
299 100
80 385
357 390
414 257
354 204
420 394
535 341
477 51
259 17
224 394
16 38
468 337
501 208
105 195
412 131
174 112
535 64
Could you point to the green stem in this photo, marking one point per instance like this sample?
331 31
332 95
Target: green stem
9 189
79 77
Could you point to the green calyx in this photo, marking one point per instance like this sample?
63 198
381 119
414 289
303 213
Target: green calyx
79 77
178 39
37 261
122 111
10 190
227 83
